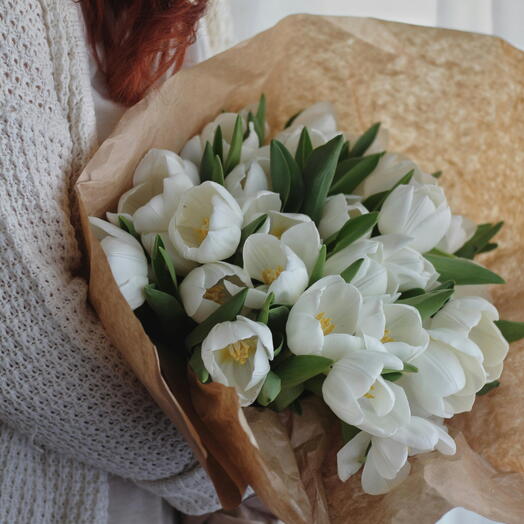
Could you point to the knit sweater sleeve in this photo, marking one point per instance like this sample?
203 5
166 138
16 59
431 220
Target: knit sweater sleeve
62 383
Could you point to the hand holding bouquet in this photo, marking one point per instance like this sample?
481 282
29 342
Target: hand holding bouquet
318 264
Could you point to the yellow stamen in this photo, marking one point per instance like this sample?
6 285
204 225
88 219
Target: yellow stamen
325 323
278 232
240 350
203 230
368 394
217 293
387 337
270 275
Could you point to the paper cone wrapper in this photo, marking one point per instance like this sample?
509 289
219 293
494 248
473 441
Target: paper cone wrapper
452 101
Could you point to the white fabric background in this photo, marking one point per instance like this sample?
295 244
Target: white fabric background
504 18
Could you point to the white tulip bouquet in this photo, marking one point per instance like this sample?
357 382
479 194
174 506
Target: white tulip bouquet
316 265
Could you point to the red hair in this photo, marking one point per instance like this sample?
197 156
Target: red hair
135 42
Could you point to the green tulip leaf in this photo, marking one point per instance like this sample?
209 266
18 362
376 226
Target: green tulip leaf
354 229
299 368
217 173
270 389
277 318
207 163
429 303
295 192
280 172
364 141
349 273
318 269
304 148
488 387
235 150
165 306
128 226
479 241
351 172
263 314
286 397
462 271
197 365
218 144
318 176
511 331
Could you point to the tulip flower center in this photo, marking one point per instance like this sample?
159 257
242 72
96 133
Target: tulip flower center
278 232
241 350
217 293
270 275
325 323
387 337
203 230
369 394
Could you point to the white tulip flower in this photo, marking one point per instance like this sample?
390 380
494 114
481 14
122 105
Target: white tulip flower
304 240
385 462
126 259
323 321
209 286
390 169
296 230
397 327
372 277
407 268
440 376
158 164
194 148
386 459
404 335
338 209
279 223
260 204
357 393
156 214
461 229
237 354
246 181
149 176
268 260
468 326
320 121
206 225
182 265
418 211
136 197
319 116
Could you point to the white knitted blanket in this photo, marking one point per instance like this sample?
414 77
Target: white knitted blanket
70 408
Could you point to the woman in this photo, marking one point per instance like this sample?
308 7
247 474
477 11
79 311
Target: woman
72 414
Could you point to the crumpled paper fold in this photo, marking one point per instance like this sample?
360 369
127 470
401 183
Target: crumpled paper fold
453 102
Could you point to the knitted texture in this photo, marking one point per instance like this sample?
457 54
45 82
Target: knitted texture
47 488
62 384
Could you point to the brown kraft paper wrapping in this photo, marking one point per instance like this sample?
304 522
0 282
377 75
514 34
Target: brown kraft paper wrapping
452 101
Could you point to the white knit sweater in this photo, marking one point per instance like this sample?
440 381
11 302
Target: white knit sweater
70 408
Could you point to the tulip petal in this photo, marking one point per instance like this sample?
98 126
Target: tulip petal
374 484
351 457
388 456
